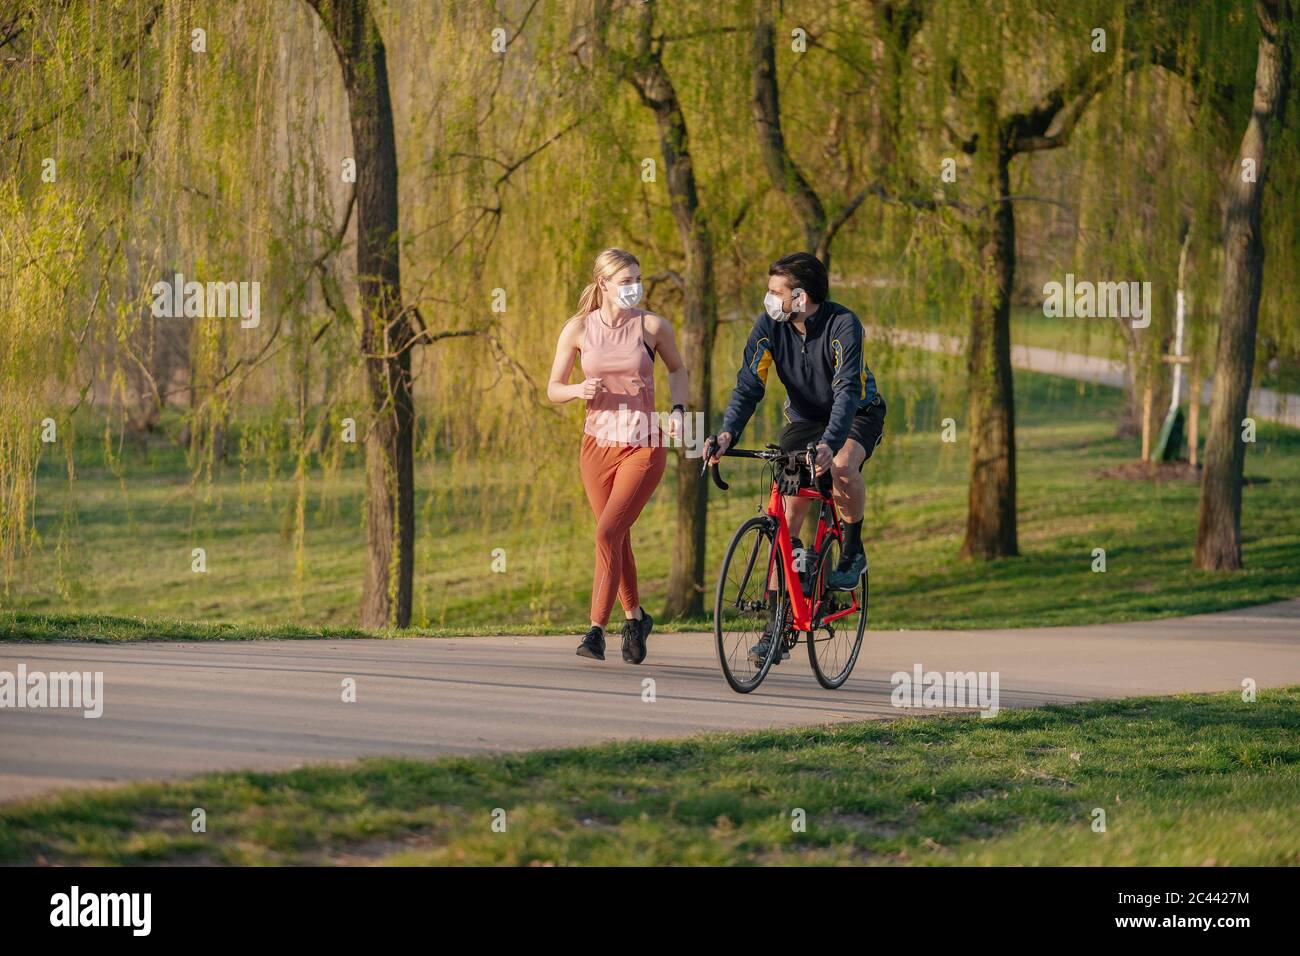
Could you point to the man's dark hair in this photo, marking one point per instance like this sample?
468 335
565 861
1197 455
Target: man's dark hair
803 271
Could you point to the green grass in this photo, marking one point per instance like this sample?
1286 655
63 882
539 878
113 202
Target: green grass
1096 337
119 545
1183 781
108 629
35 627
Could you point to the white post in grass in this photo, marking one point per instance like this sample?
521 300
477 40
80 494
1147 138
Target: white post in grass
1180 307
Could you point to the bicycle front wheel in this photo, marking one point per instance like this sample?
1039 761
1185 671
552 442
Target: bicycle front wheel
749 609
833 644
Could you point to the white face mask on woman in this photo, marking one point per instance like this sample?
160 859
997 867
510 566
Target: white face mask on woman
628 295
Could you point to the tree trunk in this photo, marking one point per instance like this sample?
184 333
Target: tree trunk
699 324
765 105
1047 124
386 331
1218 527
699 312
897 23
1129 423
991 505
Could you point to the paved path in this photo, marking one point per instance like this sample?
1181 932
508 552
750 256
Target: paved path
1265 404
184 708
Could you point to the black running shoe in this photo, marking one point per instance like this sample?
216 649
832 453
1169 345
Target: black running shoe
846 574
758 653
593 645
634 634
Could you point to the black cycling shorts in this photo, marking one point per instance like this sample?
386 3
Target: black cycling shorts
867 430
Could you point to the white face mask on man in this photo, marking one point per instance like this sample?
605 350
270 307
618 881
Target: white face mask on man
773 304
628 295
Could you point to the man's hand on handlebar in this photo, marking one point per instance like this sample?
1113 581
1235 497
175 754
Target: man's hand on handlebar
825 458
720 447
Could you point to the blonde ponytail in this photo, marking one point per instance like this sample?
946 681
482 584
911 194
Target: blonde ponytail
609 263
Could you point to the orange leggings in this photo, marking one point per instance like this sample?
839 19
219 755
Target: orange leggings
619 480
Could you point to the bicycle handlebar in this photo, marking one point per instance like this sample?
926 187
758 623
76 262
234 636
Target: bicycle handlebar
773 454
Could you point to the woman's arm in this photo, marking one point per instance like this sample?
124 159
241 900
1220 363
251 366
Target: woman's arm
679 380
558 389
661 336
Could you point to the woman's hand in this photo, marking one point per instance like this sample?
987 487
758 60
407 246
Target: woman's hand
675 424
590 388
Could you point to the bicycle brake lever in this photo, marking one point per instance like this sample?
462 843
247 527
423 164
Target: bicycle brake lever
713 471
708 447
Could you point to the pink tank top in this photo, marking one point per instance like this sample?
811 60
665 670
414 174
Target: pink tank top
621 413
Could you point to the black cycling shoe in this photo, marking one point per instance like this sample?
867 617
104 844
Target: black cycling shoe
758 653
847 572
593 645
634 634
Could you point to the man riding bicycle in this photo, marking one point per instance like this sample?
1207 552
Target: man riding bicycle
816 346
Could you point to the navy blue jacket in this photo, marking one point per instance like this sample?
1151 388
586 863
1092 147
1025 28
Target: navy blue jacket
825 377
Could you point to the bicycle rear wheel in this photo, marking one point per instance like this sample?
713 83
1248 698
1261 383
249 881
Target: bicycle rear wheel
833 647
744 609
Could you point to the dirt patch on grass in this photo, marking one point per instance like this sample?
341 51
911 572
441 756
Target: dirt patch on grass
1166 471
371 852
871 827
1153 471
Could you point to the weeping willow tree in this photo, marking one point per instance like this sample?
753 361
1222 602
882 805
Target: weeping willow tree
387 330
1201 219
1118 203
1015 80
147 116
538 146
1218 531
73 168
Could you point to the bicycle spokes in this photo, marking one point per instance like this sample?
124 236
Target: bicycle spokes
839 620
746 613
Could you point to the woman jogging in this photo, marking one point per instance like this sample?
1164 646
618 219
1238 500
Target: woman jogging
623 454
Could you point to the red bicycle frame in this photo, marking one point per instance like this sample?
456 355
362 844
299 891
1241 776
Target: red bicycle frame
800 605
